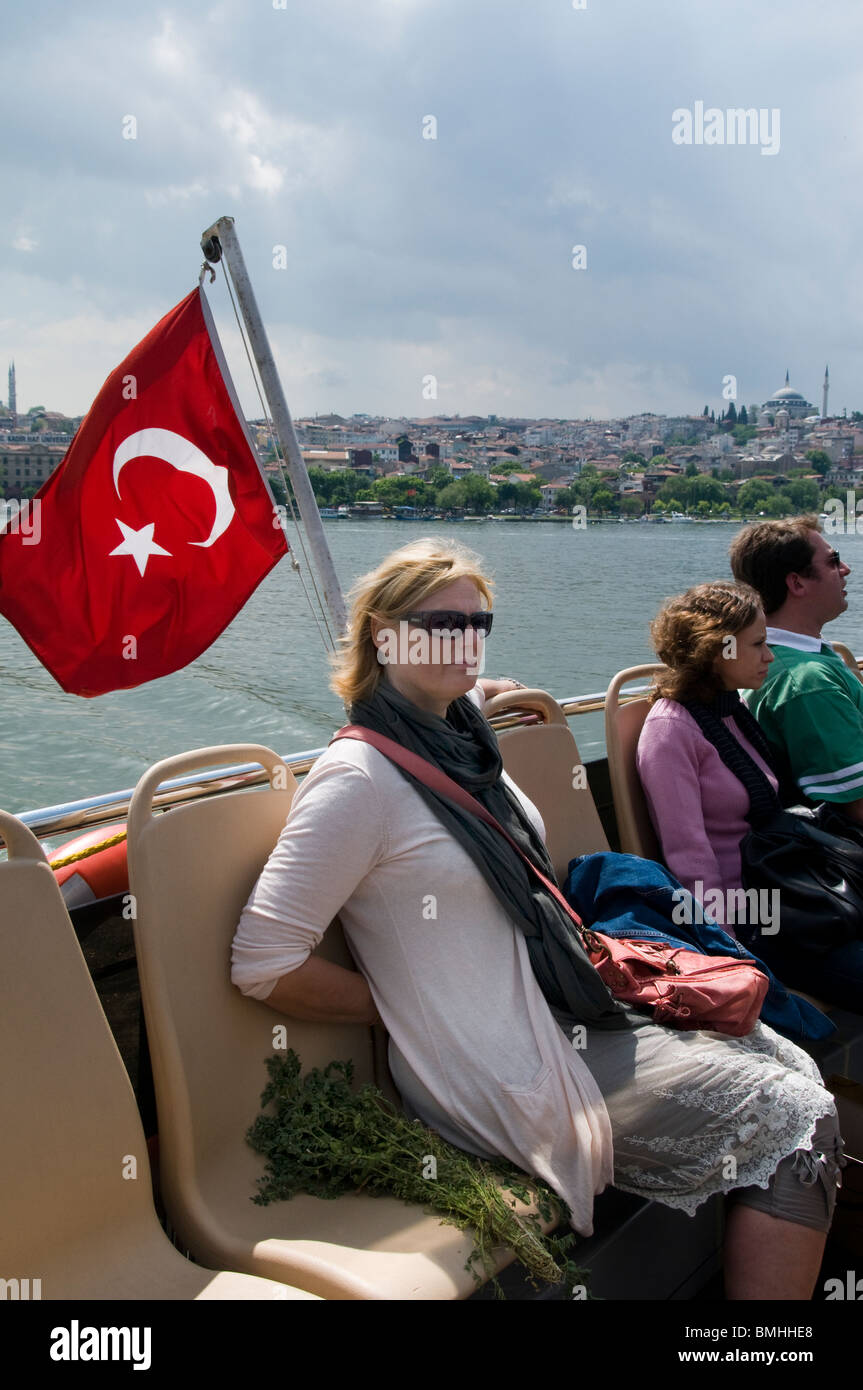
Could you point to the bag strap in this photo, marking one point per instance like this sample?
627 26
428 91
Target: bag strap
444 786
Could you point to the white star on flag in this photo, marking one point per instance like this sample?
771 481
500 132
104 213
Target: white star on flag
139 544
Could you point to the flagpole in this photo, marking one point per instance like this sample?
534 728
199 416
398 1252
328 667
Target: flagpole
220 242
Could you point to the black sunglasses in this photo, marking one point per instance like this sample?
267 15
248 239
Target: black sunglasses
445 620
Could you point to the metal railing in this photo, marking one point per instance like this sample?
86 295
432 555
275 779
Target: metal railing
71 816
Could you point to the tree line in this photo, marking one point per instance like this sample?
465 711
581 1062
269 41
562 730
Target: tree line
714 495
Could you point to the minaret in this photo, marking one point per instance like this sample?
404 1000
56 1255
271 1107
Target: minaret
13 404
824 394
787 382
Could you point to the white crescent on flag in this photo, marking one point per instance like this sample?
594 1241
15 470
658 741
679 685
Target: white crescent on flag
188 458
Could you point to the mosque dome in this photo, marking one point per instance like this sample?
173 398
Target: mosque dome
786 398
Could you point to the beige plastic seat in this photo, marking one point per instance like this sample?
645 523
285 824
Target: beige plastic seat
848 657
544 761
191 872
76 1201
623 724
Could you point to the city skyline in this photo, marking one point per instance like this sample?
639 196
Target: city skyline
761 406
562 213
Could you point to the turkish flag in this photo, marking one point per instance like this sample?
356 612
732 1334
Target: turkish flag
154 530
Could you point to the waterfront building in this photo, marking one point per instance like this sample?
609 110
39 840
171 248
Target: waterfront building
28 464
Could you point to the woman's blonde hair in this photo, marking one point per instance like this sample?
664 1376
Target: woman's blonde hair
402 581
688 635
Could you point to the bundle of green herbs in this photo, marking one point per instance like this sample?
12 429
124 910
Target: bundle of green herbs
326 1138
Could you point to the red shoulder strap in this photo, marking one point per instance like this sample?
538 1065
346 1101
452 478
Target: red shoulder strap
439 782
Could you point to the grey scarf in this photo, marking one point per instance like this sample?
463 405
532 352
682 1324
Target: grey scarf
463 745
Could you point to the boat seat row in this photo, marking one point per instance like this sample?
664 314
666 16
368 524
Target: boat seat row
76 1202
76 1205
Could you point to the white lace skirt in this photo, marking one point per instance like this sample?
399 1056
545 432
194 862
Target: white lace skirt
697 1113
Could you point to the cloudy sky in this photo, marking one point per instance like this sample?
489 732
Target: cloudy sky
451 257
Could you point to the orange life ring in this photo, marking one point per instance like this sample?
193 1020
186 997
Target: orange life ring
99 875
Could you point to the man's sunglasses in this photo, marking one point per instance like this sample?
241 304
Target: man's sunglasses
445 620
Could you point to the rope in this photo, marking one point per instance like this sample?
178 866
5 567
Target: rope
85 853
328 640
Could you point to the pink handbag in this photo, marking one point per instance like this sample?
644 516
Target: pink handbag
683 988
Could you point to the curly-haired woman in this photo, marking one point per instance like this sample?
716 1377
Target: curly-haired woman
713 640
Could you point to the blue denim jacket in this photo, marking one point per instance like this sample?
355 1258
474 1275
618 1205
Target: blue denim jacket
624 896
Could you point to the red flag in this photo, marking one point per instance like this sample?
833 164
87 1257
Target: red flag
156 527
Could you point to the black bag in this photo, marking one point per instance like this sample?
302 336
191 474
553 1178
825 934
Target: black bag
817 871
813 858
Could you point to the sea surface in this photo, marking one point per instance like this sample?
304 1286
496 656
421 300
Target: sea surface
572 607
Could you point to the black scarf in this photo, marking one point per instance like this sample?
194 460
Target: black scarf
763 800
464 746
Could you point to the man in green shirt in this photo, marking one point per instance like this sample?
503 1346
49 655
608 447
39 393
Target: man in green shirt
811 704
811 710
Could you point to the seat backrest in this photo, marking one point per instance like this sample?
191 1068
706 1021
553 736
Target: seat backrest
848 657
74 1172
542 758
623 724
191 870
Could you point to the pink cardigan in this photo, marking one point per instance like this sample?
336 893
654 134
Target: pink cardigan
698 807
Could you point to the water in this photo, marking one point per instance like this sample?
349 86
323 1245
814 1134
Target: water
571 609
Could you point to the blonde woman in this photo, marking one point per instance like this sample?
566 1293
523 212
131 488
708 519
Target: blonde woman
479 977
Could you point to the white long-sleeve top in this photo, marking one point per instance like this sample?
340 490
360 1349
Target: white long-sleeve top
474 1048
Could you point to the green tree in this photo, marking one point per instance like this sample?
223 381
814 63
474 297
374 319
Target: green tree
631 506
480 496
566 498
507 468
754 495
820 460
802 495
603 501
452 497
438 476
339 487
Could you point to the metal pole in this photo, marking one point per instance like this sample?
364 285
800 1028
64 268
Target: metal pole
228 247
